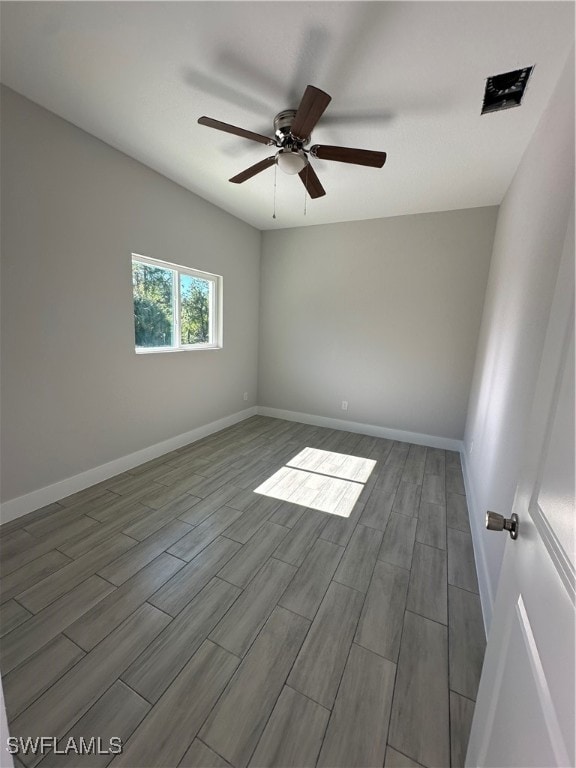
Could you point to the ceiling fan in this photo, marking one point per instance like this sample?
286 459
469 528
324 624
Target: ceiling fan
292 129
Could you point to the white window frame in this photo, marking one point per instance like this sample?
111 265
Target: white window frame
215 306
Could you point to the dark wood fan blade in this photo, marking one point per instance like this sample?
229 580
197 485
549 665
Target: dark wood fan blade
227 128
311 182
313 104
349 155
253 170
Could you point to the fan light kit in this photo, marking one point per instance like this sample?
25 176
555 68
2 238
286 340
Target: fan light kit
291 161
292 131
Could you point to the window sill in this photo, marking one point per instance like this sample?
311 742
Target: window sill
164 350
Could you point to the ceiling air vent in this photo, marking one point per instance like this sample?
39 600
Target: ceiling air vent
505 90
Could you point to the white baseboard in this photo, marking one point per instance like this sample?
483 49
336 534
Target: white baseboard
476 517
29 502
430 441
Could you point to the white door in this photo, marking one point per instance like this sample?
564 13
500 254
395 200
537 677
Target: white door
525 709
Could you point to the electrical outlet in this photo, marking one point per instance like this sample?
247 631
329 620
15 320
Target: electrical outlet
344 405
245 395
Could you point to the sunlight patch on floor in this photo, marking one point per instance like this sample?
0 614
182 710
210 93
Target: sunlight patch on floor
324 480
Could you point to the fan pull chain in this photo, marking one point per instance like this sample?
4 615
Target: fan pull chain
306 188
275 171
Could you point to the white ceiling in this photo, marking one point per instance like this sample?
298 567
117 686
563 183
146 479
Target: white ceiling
405 77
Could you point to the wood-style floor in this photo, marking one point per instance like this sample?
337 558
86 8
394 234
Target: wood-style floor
208 625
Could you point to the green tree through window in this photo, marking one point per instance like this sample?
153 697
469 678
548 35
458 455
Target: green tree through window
194 299
153 305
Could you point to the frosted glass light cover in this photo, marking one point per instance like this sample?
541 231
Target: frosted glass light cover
291 162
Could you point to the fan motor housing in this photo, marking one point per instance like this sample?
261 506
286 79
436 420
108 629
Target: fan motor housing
282 124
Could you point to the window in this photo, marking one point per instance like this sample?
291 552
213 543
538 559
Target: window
175 308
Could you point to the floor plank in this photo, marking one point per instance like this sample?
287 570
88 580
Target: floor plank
167 731
380 625
190 580
109 512
199 538
110 612
251 518
435 462
25 555
293 735
398 453
434 489
208 485
201 756
287 514
431 528
85 543
339 530
242 500
197 513
318 668
144 553
21 579
94 494
457 512
455 480
45 625
246 563
357 564
377 510
452 459
419 720
427 590
296 545
157 518
395 759
461 713
398 541
154 669
241 624
467 641
413 471
167 494
357 732
234 727
12 614
63 519
309 585
461 564
65 579
15 528
56 710
114 716
38 673
407 499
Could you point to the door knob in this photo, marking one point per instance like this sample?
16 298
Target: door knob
496 522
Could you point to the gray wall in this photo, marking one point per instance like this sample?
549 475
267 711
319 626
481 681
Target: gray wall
530 234
74 393
382 313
